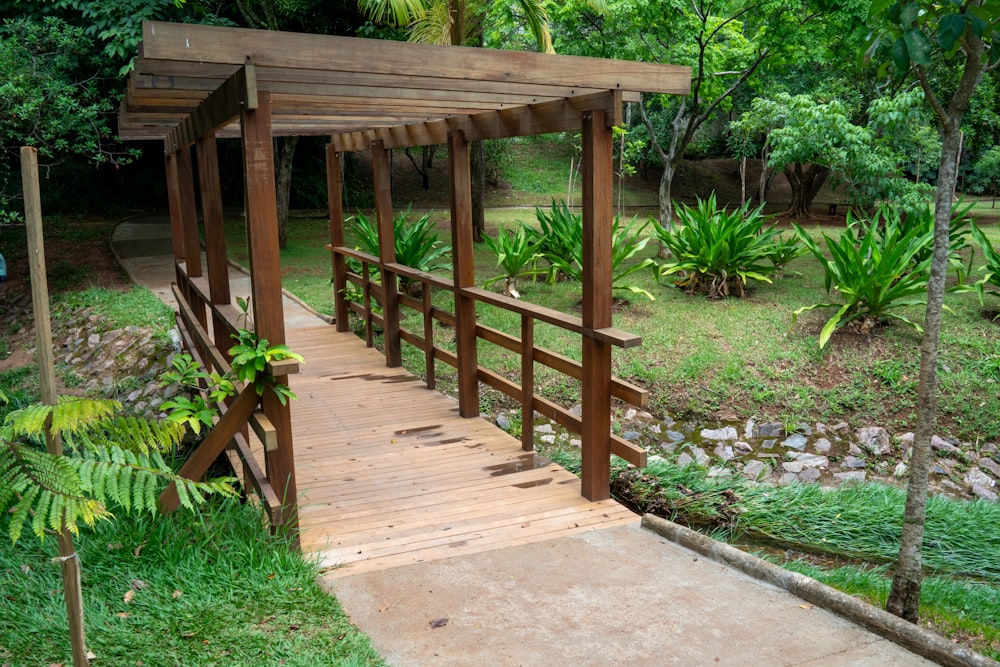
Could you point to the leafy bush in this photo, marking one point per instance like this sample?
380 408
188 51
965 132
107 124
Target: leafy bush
922 218
784 249
517 254
874 275
716 251
991 269
561 238
417 245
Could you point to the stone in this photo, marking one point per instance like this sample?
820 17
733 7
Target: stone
577 410
724 433
809 475
990 466
743 447
503 421
804 429
548 438
900 471
852 476
684 460
980 491
854 450
575 442
792 466
821 428
631 435
93 340
822 445
133 396
875 439
854 463
795 441
544 428
724 452
769 430
674 436
769 443
700 457
839 426
630 414
754 469
989 448
788 478
748 430
719 471
654 428
943 445
667 447
813 460
975 477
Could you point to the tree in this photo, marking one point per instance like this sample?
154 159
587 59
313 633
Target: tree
964 36
986 172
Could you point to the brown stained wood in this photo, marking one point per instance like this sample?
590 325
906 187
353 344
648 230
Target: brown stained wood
215 233
425 484
596 182
217 110
189 213
527 352
335 203
464 272
382 173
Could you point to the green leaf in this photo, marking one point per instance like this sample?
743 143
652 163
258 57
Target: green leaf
918 46
901 56
950 29
908 14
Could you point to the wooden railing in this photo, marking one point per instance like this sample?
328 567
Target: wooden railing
194 303
524 345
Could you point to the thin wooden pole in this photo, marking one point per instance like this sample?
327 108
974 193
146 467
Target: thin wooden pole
68 558
382 171
215 234
527 382
176 225
334 193
597 180
265 285
464 273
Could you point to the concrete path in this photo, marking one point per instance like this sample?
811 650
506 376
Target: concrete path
621 595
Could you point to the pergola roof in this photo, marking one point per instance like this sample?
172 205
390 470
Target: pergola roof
188 79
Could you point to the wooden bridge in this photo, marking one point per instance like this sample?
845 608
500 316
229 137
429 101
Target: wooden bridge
369 464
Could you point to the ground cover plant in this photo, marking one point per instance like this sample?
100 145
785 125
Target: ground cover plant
188 589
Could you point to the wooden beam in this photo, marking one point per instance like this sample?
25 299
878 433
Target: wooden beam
215 233
464 273
222 105
405 60
382 172
335 203
596 182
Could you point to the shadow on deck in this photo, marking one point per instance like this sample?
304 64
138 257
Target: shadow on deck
389 474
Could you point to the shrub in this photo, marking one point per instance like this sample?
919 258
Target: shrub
991 269
874 275
922 218
417 245
717 252
784 249
561 239
517 254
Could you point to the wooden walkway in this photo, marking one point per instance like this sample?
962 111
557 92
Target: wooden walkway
389 474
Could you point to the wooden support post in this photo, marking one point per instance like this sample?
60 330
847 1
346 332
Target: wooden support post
460 194
527 382
428 335
265 285
335 201
597 222
176 224
382 171
68 559
215 234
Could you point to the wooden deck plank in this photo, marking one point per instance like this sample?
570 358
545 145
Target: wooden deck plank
389 473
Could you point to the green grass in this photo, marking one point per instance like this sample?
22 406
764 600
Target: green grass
215 589
133 307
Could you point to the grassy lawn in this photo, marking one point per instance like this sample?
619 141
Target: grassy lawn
187 589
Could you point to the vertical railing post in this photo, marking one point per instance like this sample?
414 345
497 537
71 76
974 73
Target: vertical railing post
176 224
215 235
189 221
382 171
265 285
527 382
460 195
335 202
597 223
428 334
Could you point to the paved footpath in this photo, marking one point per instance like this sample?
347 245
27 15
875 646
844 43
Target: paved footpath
617 596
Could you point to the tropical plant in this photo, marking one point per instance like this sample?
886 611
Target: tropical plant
922 218
875 274
417 245
109 463
716 251
517 253
784 249
560 239
991 270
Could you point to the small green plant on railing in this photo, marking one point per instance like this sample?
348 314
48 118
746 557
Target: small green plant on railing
716 252
875 275
417 245
517 252
991 269
107 460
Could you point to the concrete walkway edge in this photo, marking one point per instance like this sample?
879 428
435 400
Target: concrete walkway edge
912 637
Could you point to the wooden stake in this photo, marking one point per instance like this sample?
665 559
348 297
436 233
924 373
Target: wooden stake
68 558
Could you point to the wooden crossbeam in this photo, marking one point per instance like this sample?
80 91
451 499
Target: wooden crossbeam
220 108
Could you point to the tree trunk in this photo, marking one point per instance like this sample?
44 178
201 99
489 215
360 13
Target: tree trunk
666 203
477 167
804 184
283 185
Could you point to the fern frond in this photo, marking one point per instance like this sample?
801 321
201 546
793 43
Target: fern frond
135 434
72 414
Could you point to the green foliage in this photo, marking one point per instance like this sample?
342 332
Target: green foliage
991 270
874 275
717 252
784 249
106 460
985 175
417 245
517 254
922 218
251 356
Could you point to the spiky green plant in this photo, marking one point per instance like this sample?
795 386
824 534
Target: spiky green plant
417 245
874 275
784 249
991 269
517 252
107 461
716 251
959 259
561 238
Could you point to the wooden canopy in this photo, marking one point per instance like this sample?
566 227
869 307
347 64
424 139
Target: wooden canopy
357 88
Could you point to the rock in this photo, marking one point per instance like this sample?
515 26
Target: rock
981 491
684 460
854 462
840 426
792 466
854 450
131 398
822 445
769 430
548 439
630 414
875 439
503 421
813 460
667 447
795 441
852 476
809 475
743 447
900 471
748 430
544 428
804 429
700 457
821 428
654 428
754 469
989 448
719 471
990 465
943 445
788 478
674 436
577 410
631 435
93 340
977 477
724 433
576 442
724 452
769 443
